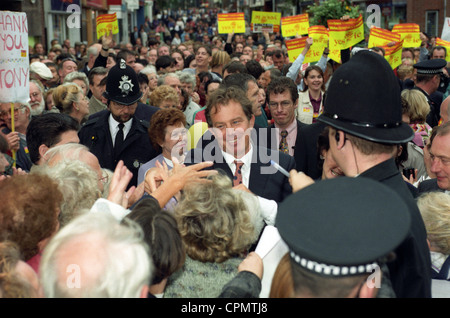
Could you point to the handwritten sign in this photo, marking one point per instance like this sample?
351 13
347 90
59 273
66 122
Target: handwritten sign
107 23
296 46
382 37
446 30
344 34
446 44
14 60
409 34
262 17
294 25
393 54
231 22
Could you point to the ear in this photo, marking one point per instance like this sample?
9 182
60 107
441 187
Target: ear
42 150
144 292
296 103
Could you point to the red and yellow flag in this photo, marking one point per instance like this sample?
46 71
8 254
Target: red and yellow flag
107 23
231 22
393 54
295 25
295 48
446 44
382 37
409 33
345 34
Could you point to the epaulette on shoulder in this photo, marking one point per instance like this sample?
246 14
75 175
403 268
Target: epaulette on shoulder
145 123
91 121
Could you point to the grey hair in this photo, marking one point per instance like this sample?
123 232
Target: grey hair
69 78
118 250
78 184
149 69
186 77
162 78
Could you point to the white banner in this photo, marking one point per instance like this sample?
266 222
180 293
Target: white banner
14 59
446 30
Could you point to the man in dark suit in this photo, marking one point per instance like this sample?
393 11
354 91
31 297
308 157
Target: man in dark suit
440 161
283 134
229 116
365 128
116 134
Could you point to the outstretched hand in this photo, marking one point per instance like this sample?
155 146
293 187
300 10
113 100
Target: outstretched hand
117 189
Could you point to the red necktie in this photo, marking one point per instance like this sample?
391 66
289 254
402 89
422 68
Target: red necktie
237 179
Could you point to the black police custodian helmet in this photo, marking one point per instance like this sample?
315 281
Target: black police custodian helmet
343 226
364 100
122 85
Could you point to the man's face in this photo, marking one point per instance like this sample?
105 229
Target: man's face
122 113
131 60
440 160
174 83
202 57
231 128
264 79
163 50
55 74
278 61
36 102
152 56
244 58
21 115
248 51
438 54
253 96
96 89
67 67
282 108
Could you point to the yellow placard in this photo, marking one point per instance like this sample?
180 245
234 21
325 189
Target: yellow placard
231 23
262 17
409 34
446 44
393 54
107 23
295 48
382 37
295 25
344 34
319 34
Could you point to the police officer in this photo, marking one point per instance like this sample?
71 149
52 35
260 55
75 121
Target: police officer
117 134
428 81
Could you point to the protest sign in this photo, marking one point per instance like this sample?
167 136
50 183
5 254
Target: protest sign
294 25
393 54
296 46
446 44
446 30
262 17
14 59
409 34
107 23
344 34
231 23
382 37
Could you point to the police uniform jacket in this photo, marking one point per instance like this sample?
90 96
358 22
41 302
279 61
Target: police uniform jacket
135 151
410 271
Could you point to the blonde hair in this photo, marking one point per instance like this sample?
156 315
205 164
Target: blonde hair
220 58
162 93
65 95
214 221
405 70
418 105
435 210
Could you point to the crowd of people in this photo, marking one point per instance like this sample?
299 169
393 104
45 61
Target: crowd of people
172 164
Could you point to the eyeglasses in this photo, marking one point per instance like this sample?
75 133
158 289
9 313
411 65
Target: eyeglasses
104 179
4 114
284 104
